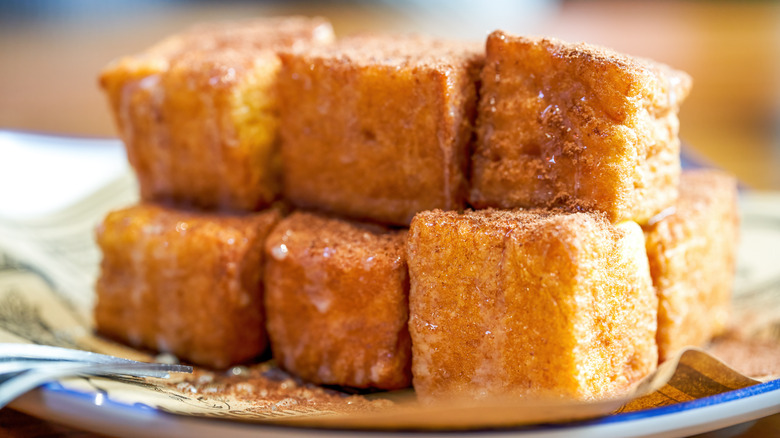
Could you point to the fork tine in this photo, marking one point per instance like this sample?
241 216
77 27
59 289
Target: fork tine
46 352
16 366
16 386
27 366
154 369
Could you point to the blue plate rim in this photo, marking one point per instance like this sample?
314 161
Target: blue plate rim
623 417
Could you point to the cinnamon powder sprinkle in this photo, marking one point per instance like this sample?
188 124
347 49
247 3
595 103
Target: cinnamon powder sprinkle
269 392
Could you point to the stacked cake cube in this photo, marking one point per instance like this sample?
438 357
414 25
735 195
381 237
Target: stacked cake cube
182 272
507 221
198 112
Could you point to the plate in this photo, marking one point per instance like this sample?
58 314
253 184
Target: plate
103 164
94 412
29 163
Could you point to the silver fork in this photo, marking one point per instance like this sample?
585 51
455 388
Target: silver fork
26 366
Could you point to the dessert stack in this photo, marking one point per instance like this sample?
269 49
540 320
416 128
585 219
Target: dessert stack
498 220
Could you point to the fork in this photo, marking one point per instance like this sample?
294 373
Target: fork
26 366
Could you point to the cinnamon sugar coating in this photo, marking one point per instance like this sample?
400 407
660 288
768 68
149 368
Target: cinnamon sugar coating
692 254
528 304
378 128
336 294
576 126
198 114
183 282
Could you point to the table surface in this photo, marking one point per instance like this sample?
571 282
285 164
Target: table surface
48 70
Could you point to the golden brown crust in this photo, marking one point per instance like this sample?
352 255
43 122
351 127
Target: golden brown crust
245 39
336 294
396 51
198 113
536 303
692 254
378 127
577 126
183 282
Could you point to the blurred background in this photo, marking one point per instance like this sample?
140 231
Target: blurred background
52 50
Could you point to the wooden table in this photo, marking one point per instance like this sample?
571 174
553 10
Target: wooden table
48 72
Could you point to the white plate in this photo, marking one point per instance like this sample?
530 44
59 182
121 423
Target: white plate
94 412
41 174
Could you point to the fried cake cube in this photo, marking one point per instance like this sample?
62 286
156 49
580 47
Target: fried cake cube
198 112
378 128
576 126
528 304
692 254
183 282
336 294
